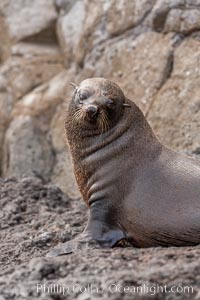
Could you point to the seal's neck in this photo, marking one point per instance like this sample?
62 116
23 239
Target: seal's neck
132 125
131 139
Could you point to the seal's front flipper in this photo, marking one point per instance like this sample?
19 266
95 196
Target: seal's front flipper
86 241
72 246
101 231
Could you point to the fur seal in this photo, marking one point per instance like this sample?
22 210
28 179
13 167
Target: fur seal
137 190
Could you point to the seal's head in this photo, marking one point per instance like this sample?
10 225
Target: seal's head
97 103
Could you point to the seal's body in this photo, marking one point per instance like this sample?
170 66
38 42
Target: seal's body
136 188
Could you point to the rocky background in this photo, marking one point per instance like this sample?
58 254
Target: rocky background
151 48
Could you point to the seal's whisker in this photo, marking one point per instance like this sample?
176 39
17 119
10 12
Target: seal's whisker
103 122
106 121
78 115
100 122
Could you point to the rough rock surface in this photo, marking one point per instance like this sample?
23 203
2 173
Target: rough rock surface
25 136
177 104
150 48
36 216
129 62
26 18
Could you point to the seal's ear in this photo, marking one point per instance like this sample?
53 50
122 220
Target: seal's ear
126 105
74 85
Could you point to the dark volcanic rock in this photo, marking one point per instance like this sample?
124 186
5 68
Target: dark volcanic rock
36 216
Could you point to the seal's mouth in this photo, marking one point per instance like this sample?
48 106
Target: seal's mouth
93 117
98 118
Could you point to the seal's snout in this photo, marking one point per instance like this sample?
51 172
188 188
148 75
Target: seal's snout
92 111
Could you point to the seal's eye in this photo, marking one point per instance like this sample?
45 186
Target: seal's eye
110 104
83 96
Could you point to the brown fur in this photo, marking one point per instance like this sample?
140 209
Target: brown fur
136 188
83 141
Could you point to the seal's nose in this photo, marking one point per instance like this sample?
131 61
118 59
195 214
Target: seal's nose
92 111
